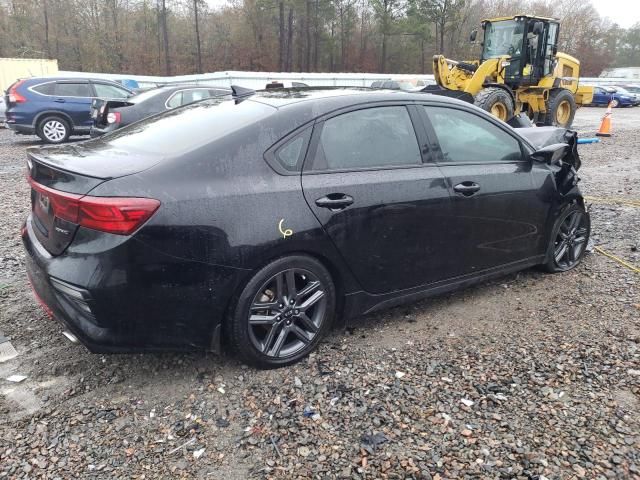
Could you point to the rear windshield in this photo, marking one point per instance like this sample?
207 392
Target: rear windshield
141 97
187 128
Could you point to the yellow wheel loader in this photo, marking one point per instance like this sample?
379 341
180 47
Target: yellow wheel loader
520 71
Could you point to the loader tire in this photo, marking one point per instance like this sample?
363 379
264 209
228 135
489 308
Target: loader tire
561 109
496 101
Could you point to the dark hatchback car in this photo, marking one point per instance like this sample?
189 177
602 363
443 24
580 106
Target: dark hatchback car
111 114
56 108
252 223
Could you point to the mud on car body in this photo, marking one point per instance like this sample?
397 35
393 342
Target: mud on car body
254 222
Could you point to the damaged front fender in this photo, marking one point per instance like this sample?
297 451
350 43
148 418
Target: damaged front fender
558 147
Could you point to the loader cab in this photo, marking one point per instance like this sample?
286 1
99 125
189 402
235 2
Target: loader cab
530 42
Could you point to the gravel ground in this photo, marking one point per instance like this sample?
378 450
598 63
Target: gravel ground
533 376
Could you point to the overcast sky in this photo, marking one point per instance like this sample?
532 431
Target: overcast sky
624 12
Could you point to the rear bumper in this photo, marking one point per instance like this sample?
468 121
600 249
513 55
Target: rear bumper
129 298
20 128
99 131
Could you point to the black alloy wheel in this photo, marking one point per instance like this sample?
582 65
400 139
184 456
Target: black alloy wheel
283 312
570 240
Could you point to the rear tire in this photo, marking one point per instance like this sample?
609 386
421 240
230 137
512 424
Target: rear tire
496 101
561 109
53 129
569 239
283 312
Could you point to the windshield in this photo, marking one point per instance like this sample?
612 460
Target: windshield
503 38
621 90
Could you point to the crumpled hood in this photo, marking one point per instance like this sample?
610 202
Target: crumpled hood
565 171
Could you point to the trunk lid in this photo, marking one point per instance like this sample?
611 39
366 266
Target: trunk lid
50 187
60 176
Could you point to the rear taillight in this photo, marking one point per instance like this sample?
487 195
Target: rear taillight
14 96
113 117
118 215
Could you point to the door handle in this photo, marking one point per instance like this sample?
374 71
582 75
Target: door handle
335 201
467 188
60 100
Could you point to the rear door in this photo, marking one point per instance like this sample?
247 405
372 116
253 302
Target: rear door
499 215
369 181
74 98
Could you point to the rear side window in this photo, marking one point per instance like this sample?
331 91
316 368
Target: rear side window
175 101
45 88
369 138
73 90
291 155
110 91
190 96
468 138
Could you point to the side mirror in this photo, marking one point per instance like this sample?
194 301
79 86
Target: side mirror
472 37
538 28
551 153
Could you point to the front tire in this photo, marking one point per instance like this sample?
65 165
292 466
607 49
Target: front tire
569 239
561 109
53 129
496 101
283 312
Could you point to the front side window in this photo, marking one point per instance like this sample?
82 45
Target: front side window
110 91
373 137
468 138
73 90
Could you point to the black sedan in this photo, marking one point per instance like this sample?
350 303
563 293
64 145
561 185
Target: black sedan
254 222
111 114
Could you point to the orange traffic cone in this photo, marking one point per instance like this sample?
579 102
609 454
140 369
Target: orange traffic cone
605 125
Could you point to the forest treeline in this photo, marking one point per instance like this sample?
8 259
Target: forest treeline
172 37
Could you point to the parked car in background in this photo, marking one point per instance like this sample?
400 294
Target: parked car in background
628 93
109 115
56 108
633 88
251 222
284 84
409 85
3 108
603 95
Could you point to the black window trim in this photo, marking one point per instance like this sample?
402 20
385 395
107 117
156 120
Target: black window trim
435 143
319 124
270 154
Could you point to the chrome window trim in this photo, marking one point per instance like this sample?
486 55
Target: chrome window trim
90 83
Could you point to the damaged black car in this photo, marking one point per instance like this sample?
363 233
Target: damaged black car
256 221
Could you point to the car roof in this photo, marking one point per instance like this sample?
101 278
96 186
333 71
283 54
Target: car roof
69 79
280 98
187 85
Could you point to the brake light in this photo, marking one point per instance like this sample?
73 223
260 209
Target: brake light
14 96
117 215
113 117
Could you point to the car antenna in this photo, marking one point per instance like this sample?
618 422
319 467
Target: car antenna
241 92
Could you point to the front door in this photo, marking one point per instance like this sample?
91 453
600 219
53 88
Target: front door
499 216
383 206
